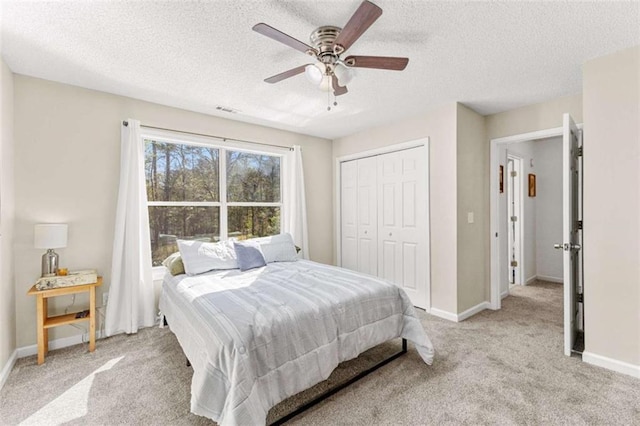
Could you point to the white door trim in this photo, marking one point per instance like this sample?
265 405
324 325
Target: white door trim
338 197
493 201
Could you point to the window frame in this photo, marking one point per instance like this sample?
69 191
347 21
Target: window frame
222 145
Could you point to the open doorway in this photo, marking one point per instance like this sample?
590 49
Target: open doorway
530 213
568 163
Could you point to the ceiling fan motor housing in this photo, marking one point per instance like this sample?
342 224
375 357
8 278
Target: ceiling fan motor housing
322 39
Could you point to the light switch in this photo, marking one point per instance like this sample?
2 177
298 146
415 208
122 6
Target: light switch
470 217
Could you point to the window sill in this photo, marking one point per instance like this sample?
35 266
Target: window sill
157 273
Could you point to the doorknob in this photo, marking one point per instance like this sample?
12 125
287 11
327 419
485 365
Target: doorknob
557 246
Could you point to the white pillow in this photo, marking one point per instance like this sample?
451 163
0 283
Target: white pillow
278 248
199 257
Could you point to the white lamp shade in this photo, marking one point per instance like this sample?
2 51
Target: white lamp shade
314 72
50 236
325 84
343 73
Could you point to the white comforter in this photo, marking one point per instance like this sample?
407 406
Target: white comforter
257 337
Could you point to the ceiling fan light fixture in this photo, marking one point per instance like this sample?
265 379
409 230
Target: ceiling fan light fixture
325 84
315 73
343 73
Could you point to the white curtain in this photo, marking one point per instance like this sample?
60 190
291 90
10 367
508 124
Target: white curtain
131 292
296 207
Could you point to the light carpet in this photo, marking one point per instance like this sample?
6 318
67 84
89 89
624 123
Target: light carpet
502 367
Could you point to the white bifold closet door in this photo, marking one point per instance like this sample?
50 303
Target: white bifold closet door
383 219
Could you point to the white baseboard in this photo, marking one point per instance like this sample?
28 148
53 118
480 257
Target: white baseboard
612 364
504 294
550 279
461 316
4 375
444 314
530 280
54 344
474 310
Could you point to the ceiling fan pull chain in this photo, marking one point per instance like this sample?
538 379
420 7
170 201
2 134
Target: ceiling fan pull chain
329 98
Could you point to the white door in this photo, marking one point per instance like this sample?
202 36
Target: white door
514 218
367 216
349 214
402 221
571 182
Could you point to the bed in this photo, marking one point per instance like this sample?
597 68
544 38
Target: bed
257 337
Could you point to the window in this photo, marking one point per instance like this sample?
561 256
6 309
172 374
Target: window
209 193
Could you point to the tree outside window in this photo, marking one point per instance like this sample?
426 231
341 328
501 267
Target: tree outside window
185 199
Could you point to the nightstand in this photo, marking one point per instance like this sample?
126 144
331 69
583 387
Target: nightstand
46 322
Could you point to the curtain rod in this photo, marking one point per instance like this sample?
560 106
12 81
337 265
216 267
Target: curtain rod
290 148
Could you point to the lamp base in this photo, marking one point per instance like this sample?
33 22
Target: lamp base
50 263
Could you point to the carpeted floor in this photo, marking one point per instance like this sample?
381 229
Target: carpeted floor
504 367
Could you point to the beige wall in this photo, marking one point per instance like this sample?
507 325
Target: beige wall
545 115
612 206
440 126
472 190
68 149
7 287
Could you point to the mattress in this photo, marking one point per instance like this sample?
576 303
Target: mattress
254 338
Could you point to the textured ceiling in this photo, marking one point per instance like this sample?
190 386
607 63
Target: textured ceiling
491 56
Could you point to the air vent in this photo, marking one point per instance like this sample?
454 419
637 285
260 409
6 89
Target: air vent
227 109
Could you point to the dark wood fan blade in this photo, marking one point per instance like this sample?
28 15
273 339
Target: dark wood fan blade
379 62
283 38
361 20
284 75
337 89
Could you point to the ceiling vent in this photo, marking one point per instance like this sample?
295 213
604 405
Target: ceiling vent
227 109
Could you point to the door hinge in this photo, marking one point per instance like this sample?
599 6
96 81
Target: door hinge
514 218
579 224
514 263
579 152
580 298
514 173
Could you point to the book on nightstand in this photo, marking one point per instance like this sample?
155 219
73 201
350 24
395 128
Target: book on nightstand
86 276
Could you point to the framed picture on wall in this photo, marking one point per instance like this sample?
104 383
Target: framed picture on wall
501 179
532 185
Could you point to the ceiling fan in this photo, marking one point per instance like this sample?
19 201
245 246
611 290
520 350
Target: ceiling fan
328 43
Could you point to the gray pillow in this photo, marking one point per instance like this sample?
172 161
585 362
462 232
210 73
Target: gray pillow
249 255
278 248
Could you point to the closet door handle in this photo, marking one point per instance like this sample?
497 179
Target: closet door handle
365 232
390 234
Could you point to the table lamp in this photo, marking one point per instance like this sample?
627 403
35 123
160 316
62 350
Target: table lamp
50 236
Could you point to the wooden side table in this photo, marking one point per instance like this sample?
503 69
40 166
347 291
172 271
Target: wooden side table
45 322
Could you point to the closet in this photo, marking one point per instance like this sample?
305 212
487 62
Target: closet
384 218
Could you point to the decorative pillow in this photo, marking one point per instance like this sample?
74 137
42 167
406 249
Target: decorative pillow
199 257
174 264
278 248
249 255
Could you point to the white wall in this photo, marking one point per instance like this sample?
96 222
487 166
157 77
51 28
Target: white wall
548 201
68 148
612 206
7 286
